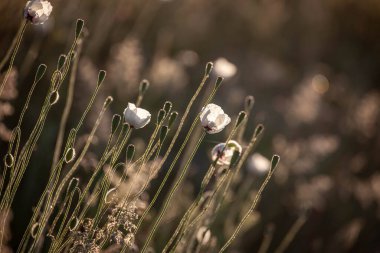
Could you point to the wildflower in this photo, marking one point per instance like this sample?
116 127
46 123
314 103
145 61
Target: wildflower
225 68
258 164
224 153
213 118
37 11
136 117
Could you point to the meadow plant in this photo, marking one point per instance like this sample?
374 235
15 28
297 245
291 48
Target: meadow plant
114 210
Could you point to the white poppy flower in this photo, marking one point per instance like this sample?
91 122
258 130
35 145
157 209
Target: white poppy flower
258 164
136 117
37 11
225 152
224 68
213 118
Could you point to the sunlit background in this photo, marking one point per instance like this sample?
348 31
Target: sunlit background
311 65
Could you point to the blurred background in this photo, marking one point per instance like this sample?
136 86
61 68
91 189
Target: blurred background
311 65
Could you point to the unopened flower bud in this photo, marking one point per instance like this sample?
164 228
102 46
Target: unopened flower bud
144 85
116 119
130 152
209 68
161 116
70 155
173 116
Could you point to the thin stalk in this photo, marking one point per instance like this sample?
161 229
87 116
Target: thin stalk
249 212
208 204
63 181
28 148
64 204
12 51
22 163
53 179
67 209
15 138
144 160
268 236
184 117
179 232
173 190
289 237
116 149
195 203
252 144
124 249
67 109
